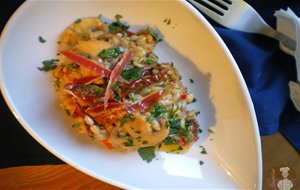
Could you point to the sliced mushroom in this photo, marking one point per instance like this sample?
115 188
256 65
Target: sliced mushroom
139 134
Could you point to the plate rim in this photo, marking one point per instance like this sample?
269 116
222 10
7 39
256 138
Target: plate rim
204 21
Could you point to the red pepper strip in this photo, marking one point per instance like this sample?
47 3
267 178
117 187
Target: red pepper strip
86 80
129 33
183 96
107 144
105 115
78 112
93 111
84 97
87 63
142 82
146 102
115 73
145 71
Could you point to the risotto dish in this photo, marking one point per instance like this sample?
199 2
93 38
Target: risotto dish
110 82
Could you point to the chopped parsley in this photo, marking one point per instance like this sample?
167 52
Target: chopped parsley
163 85
147 153
149 62
201 162
114 86
194 100
203 151
41 39
130 73
48 65
126 118
72 66
167 21
158 110
76 125
211 131
145 142
131 96
110 53
117 26
128 143
118 17
191 80
117 97
99 91
154 35
78 21
200 130
169 141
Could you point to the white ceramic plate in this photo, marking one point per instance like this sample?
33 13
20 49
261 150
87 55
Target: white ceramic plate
233 158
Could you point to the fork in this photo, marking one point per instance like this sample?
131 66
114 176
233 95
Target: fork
238 15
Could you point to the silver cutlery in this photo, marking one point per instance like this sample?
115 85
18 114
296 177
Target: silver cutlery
239 15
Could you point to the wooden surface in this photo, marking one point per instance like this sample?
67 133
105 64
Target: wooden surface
277 152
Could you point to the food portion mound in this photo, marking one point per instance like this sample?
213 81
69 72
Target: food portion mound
110 82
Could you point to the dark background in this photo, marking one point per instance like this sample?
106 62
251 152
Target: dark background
17 147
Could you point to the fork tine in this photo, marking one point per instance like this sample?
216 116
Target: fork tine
213 5
202 5
225 3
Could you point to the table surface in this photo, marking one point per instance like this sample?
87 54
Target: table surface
276 152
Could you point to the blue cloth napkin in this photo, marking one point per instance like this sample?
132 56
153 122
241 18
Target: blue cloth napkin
267 71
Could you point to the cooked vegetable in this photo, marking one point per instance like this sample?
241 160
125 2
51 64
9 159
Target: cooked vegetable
112 85
87 63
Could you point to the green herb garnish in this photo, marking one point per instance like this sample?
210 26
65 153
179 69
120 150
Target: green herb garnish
41 39
48 65
117 97
118 17
158 110
126 118
147 153
145 142
167 21
169 141
114 86
211 131
117 26
128 143
99 91
76 125
203 151
149 62
78 21
154 35
72 66
130 73
200 130
110 53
